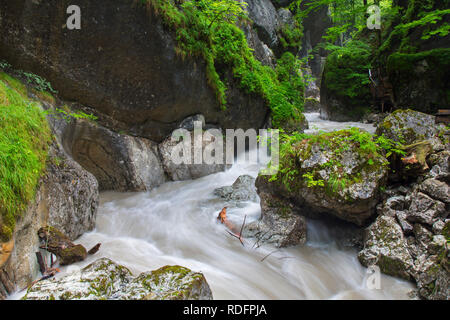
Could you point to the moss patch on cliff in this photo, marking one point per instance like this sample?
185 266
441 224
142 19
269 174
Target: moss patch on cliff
346 77
24 138
224 48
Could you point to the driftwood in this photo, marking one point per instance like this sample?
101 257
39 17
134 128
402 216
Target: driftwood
57 243
222 217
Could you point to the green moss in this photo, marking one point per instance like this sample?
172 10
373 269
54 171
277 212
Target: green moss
297 148
24 138
223 47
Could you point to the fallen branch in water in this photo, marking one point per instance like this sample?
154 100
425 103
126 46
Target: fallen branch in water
57 243
222 217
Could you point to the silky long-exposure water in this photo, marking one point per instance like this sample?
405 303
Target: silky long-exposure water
176 224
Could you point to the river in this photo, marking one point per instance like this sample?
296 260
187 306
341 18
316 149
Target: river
175 224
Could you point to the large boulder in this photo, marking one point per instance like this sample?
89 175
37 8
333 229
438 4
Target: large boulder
71 195
280 223
119 162
66 199
330 174
408 126
243 189
145 91
265 19
106 280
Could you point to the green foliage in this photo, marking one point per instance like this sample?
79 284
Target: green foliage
346 75
68 114
297 147
223 46
38 82
24 138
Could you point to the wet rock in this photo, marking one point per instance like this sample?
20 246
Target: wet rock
312 105
386 247
180 166
424 209
243 189
264 16
375 118
118 161
436 189
70 194
315 165
408 126
279 224
440 166
106 280
57 243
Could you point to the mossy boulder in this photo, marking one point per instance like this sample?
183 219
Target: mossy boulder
420 80
386 247
280 223
408 126
338 173
107 280
344 90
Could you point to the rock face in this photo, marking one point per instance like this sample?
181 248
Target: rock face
119 162
243 189
386 247
71 195
418 80
410 238
66 199
146 91
106 280
280 224
264 16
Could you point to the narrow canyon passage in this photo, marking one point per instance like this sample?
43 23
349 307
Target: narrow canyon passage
175 224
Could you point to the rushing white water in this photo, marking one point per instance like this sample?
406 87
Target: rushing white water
317 124
176 224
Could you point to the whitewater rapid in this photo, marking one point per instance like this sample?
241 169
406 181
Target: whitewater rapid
175 224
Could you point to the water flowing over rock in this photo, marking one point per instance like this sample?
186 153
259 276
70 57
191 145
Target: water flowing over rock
106 280
119 162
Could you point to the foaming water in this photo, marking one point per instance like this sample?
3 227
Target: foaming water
317 124
176 224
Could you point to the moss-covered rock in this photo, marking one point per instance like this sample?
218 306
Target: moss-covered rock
386 247
338 173
408 126
420 80
345 94
106 280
